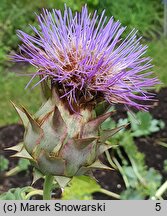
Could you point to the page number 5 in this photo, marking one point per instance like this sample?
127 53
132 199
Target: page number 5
158 206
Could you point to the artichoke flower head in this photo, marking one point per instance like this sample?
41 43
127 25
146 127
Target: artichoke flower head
61 142
82 61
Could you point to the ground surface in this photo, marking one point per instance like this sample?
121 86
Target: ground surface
110 180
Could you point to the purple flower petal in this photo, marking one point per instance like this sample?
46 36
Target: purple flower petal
87 56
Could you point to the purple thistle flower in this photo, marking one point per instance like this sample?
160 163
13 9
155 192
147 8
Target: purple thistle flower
88 59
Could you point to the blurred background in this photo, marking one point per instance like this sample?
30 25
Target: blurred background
148 16
139 155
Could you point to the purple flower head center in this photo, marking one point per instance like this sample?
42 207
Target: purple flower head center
86 57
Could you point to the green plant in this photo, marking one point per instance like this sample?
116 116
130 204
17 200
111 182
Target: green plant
143 124
14 15
21 166
157 49
165 165
17 93
80 188
24 193
64 138
3 163
146 16
83 187
140 181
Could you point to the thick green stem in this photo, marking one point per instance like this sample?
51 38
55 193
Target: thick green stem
127 184
13 171
160 191
110 160
137 173
109 193
32 193
48 187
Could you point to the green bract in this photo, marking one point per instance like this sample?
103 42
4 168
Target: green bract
61 143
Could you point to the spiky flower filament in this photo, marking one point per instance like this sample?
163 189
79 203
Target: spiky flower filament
87 58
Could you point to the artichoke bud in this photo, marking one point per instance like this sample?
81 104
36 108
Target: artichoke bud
61 143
